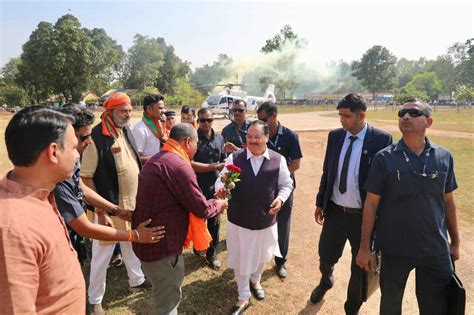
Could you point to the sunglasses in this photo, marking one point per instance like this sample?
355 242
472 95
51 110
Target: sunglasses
204 120
266 118
237 110
84 137
413 112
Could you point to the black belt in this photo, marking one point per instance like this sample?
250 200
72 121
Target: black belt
346 209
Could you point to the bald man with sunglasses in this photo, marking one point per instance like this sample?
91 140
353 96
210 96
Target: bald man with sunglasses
410 192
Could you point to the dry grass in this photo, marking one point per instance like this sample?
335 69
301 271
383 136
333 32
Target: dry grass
206 291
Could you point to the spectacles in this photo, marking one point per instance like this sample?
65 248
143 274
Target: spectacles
266 118
204 120
413 112
427 175
84 137
237 110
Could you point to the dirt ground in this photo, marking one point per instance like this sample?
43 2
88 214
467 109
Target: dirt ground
214 292
292 295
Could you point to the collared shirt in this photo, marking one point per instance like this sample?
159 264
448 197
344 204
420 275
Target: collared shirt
69 196
411 212
39 270
235 134
286 142
147 143
209 151
167 192
285 183
351 198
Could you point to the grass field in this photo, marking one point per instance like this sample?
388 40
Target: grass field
213 292
448 119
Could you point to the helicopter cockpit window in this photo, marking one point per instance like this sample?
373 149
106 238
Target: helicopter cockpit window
212 100
223 100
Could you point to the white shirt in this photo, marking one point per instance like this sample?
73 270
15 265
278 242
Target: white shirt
285 183
147 143
351 198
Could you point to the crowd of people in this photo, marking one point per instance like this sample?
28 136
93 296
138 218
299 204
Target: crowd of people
156 188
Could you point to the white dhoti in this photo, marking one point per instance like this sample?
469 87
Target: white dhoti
248 251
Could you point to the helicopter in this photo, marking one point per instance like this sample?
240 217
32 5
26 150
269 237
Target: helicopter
221 103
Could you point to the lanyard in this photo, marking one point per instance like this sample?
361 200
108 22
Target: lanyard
274 144
424 160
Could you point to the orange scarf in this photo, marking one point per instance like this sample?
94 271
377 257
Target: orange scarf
197 230
108 126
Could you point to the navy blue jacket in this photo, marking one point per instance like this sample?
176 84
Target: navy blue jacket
374 141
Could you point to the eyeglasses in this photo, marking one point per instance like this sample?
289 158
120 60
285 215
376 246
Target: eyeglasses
427 175
204 120
237 110
266 118
84 137
413 112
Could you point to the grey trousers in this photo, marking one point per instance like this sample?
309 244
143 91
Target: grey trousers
166 276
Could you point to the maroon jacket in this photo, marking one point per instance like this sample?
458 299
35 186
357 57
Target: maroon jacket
167 192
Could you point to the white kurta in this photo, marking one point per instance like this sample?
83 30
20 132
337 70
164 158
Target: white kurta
247 249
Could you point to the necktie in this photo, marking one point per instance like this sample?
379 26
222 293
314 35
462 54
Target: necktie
345 166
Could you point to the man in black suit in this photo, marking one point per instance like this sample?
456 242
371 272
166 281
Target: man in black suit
341 196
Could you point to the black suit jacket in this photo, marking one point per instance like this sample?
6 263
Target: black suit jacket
374 141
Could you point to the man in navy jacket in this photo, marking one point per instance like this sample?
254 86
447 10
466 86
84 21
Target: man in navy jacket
340 199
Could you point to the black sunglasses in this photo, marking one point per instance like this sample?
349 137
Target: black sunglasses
266 118
413 112
84 137
238 110
203 120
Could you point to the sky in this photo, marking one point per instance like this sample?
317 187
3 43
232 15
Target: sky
200 30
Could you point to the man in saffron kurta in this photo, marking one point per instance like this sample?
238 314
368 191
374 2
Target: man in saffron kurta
170 174
252 235
39 270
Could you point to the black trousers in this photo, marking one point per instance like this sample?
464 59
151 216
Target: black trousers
432 278
284 224
339 227
213 225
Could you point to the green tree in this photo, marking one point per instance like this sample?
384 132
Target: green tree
376 69
171 69
11 92
427 83
285 37
36 68
464 93
444 68
145 59
107 55
284 69
407 69
205 77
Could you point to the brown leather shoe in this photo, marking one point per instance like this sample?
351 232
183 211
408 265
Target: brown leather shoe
236 309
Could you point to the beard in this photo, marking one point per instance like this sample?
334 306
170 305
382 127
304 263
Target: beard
120 122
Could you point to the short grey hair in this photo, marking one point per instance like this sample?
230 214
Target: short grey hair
181 131
427 110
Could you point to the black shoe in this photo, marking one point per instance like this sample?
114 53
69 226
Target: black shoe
140 287
236 310
214 263
281 271
319 292
259 294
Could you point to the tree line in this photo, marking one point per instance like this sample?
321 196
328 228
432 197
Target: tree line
66 60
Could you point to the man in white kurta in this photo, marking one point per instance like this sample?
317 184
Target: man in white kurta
252 236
